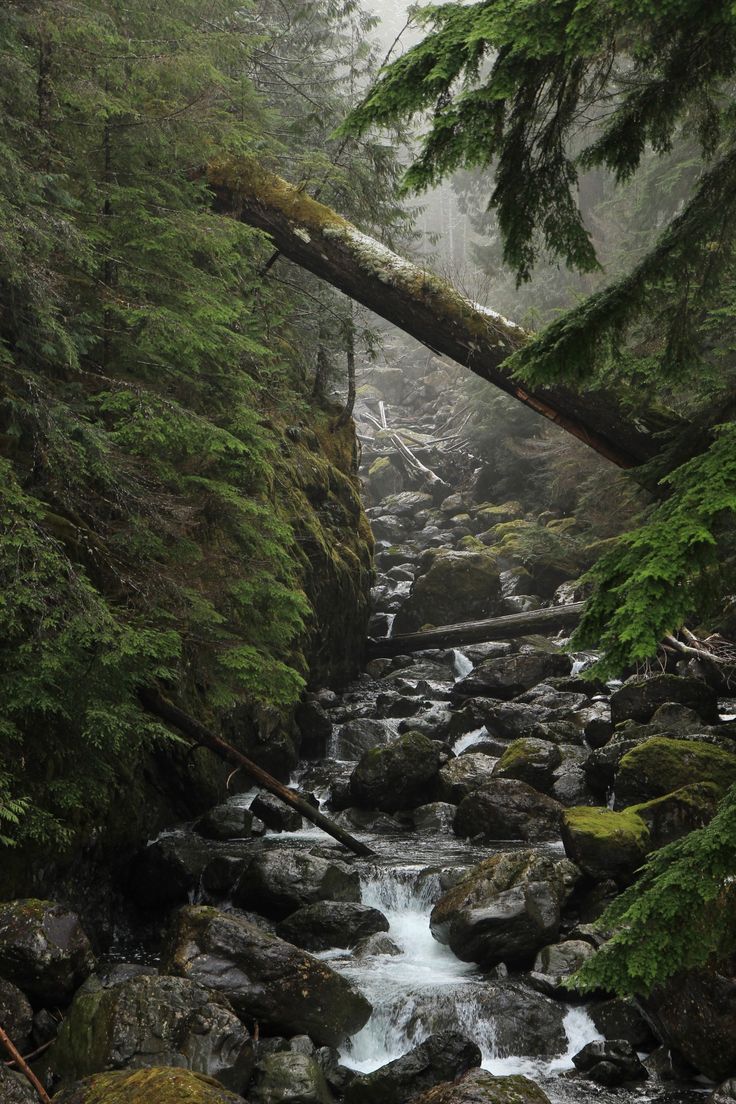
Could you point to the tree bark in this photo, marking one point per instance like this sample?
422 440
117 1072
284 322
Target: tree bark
156 703
479 632
425 306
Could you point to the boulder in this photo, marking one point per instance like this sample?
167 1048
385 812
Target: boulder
462 775
725 1093
167 870
43 950
558 961
358 736
531 761
279 881
400 775
227 822
506 677
695 1012
380 944
15 1089
507 907
619 1018
639 698
506 809
328 924
670 817
266 979
456 586
146 1021
383 479
151 1086
315 728
290 1078
481 1087
661 765
442 1057
610 1062
16 1014
437 816
275 814
604 843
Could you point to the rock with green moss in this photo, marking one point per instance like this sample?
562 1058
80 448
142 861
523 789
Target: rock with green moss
457 586
462 775
267 980
400 775
661 765
506 908
639 698
43 950
481 1087
289 1078
150 1086
670 817
532 761
604 843
147 1021
383 479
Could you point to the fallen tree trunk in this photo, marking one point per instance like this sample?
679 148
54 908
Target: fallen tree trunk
425 306
479 632
156 703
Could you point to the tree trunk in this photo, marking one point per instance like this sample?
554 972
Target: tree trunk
425 306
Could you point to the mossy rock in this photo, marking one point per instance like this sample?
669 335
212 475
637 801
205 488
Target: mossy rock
495 515
604 843
482 1087
161 1085
457 586
661 765
670 817
399 775
530 760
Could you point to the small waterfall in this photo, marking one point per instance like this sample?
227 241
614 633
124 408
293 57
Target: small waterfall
464 742
462 664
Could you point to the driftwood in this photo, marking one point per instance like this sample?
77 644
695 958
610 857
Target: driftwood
479 632
411 460
156 703
427 307
23 1066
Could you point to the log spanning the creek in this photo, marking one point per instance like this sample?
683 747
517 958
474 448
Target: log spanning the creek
479 632
425 306
155 702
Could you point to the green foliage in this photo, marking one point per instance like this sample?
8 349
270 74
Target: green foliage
679 914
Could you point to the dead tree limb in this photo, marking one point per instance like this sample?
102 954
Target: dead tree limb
155 702
24 1067
426 307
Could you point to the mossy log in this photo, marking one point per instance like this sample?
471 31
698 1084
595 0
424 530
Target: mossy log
479 632
425 306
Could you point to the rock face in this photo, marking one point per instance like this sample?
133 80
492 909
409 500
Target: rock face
506 909
696 1013
457 586
290 1078
151 1086
332 924
150 1021
507 676
481 1087
398 775
639 698
505 809
442 1057
660 765
265 979
43 950
277 883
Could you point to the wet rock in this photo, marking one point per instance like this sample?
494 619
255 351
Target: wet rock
462 775
360 735
570 782
670 817
365 820
43 950
438 816
621 1019
16 1014
481 1087
611 1062
280 881
331 924
603 843
506 809
433 722
456 586
558 961
506 909
661 765
167 870
290 1078
442 1057
695 1012
226 822
150 1021
380 944
275 814
315 727
597 724
725 1093
400 775
150 1086
383 479
601 765
15 1089
266 979
531 761
639 698
506 677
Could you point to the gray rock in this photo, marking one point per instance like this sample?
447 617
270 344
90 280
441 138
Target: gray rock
360 735
506 677
506 809
531 761
442 1057
290 1078
168 869
558 961
16 1014
482 1087
639 698
437 816
227 822
331 924
275 814
380 944
462 775
266 979
43 950
279 881
611 1062
621 1019
506 909
151 1021
725 1093
400 775
15 1089
695 1012
454 586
